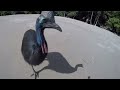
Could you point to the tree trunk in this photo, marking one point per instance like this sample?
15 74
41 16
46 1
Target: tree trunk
91 17
96 19
64 13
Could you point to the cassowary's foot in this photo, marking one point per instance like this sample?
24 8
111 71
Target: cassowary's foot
35 73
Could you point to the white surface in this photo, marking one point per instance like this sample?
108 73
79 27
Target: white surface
98 50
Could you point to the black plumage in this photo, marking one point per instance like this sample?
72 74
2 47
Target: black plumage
34 46
31 51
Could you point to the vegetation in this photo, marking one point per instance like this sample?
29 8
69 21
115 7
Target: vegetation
109 20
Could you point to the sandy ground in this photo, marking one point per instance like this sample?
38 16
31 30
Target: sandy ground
96 51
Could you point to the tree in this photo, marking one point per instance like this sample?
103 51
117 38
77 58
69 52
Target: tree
97 17
60 13
91 17
2 13
114 23
72 14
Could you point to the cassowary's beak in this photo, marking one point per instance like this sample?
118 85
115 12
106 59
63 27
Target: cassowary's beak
52 25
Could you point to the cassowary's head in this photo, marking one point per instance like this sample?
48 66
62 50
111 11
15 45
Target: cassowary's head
47 20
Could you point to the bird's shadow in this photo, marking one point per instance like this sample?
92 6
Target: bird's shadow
58 63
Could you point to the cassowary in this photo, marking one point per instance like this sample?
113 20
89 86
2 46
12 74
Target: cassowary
34 46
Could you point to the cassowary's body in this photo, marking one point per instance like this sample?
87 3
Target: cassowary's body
31 51
34 46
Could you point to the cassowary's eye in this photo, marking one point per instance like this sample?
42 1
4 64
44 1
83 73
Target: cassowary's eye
41 19
44 20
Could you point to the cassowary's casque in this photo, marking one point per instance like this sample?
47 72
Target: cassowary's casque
34 46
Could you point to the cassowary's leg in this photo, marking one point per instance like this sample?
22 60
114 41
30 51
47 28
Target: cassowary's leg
35 73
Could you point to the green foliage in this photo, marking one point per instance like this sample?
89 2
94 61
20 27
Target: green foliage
114 21
2 13
113 14
60 13
72 14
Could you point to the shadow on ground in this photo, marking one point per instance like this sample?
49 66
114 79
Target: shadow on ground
58 63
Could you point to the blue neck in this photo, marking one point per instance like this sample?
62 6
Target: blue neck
40 36
39 31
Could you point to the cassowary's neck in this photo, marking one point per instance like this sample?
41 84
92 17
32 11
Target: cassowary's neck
40 36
